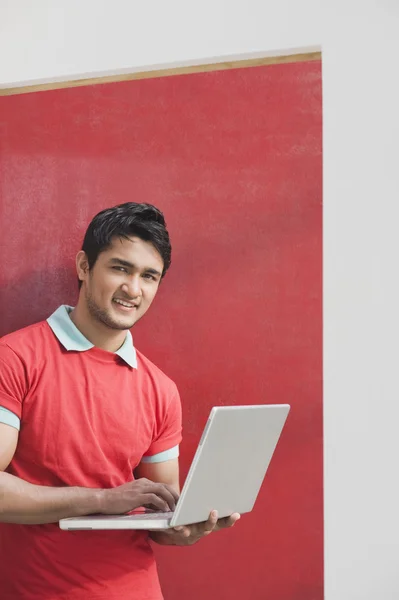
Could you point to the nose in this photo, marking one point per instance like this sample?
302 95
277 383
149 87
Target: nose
132 287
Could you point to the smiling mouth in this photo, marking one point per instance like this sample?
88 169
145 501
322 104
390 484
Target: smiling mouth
123 304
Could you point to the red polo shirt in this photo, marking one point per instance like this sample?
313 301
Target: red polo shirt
87 419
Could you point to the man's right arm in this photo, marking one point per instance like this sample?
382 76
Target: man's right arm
25 503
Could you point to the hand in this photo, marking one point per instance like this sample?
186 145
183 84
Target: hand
142 492
186 535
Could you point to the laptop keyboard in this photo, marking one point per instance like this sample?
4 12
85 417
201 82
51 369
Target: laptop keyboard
153 516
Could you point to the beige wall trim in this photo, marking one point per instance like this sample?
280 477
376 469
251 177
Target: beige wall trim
165 72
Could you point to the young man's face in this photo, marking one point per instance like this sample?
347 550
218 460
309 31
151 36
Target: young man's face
120 287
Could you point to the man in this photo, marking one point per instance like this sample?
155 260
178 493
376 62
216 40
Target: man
89 425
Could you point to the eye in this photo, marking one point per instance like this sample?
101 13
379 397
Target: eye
149 276
120 269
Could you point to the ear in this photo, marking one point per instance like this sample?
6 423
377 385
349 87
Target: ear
82 265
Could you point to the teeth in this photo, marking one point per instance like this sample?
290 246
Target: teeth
123 303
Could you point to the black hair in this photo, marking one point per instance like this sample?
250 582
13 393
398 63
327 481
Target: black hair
123 221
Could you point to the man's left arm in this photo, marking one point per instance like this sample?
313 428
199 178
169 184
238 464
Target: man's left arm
168 472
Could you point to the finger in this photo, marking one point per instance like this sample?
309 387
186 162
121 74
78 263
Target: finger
163 492
154 501
183 530
211 523
228 521
168 494
174 493
169 490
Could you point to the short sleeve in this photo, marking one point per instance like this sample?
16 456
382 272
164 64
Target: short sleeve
13 380
168 428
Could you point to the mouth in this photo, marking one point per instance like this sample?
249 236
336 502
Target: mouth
124 306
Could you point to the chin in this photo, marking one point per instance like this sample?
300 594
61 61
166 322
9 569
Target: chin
116 322
124 324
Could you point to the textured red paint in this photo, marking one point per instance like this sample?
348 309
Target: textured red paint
234 160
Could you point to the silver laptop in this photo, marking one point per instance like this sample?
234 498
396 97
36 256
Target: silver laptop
226 473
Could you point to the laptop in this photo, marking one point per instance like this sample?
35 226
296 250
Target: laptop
226 474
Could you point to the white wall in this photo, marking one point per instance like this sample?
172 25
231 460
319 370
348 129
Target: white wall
361 194
48 40
59 39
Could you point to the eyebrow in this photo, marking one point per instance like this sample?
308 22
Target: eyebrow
129 265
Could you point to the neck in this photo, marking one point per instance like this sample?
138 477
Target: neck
96 332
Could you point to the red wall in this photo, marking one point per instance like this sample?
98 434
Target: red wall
234 160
